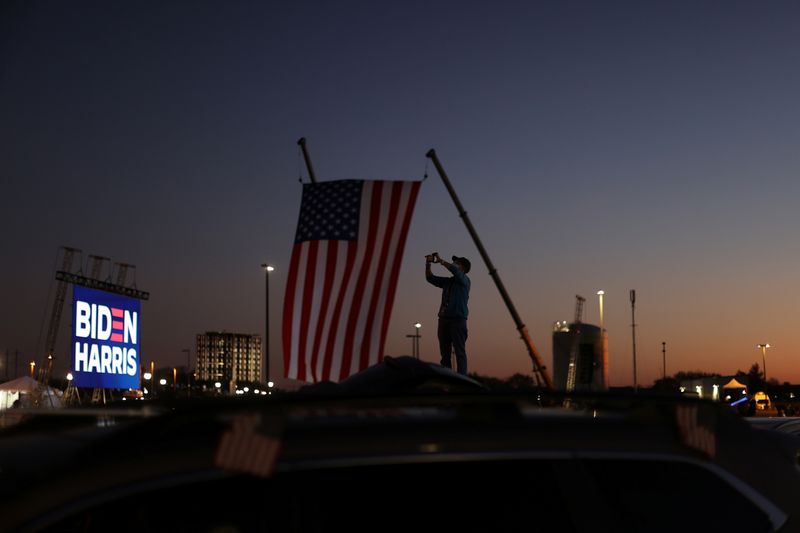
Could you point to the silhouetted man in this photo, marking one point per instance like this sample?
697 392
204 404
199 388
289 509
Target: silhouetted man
453 310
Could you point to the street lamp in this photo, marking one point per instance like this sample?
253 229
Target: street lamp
152 376
764 358
417 325
33 367
415 341
600 295
267 269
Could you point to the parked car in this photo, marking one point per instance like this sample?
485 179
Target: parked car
405 446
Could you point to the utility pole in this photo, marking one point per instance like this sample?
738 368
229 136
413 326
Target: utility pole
633 334
664 356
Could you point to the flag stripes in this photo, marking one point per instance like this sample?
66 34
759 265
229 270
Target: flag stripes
340 290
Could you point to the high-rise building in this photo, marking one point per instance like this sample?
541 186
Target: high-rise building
229 358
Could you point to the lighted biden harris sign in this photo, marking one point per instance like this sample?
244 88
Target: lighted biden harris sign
105 340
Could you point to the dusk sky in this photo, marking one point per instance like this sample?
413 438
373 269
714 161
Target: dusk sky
595 145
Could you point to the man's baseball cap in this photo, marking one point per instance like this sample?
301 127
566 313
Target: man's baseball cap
464 262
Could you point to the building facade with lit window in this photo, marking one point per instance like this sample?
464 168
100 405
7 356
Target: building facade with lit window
228 358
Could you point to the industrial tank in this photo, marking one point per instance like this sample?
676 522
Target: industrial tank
591 356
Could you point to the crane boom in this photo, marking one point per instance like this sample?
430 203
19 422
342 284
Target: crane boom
539 370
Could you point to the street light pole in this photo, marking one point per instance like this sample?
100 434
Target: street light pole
188 371
267 269
415 341
633 337
417 337
604 369
413 346
664 360
764 347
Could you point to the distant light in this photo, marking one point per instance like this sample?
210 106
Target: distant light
217 385
417 325
256 391
247 389
268 268
263 393
601 292
148 375
737 402
162 381
270 384
69 376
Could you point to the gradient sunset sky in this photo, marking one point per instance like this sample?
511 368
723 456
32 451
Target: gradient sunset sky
595 145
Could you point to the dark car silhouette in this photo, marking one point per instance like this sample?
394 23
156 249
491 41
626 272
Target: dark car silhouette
404 446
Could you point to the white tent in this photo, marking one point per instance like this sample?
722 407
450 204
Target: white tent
23 389
733 384
23 384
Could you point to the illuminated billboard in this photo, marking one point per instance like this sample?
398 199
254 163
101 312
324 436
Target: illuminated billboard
105 339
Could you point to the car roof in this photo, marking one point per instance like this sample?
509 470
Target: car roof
400 413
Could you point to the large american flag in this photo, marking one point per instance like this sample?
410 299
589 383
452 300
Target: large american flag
343 276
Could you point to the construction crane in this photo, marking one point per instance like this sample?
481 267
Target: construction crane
576 340
539 370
